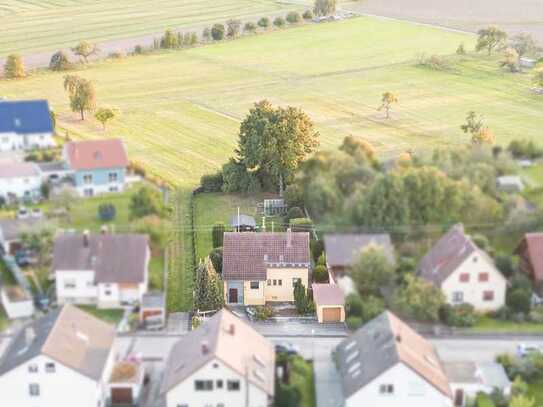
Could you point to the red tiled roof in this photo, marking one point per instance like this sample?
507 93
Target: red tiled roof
534 244
94 154
328 294
246 256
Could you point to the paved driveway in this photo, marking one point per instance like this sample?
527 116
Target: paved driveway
297 327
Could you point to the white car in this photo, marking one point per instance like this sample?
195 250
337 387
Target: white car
523 349
36 213
22 213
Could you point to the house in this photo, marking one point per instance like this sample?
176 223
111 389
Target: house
224 362
509 184
467 379
98 166
342 250
153 310
20 181
25 125
109 270
263 267
65 355
16 301
387 364
530 251
243 223
11 231
464 272
329 302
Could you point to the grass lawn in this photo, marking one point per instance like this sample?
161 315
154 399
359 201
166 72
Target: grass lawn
112 316
483 400
37 25
487 324
535 390
4 322
156 273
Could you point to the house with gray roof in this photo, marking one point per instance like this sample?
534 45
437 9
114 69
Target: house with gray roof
386 363
464 272
223 362
109 270
64 356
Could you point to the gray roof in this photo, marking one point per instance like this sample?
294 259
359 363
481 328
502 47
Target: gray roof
244 220
490 374
53 166
493 375
153 300
11 229
115 258
462 372
343 249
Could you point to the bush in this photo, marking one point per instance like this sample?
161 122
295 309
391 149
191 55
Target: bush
212 182
320 274
461 50
233 28
462 315
434 62
60 62
169 40
294 17
153 227
308 15
14 67
481 241
519 300
322 260
372 306
506 264
217 234
301 225
263 312
317 248
279 22
106 212
264 22
293 196
353 305
216 259
525 149
206 34
139 50
147 201
249 27
294 213
406 265
116 55
353 323
217 32
536 314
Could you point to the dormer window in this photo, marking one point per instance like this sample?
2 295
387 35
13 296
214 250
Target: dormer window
17 122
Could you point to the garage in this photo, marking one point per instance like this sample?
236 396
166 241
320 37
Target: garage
121 395
329 303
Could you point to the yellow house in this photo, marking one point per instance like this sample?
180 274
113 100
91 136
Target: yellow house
263 267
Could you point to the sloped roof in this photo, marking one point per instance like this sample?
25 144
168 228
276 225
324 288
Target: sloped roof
534 247
342 250
450 251
231 341
246 256
96 154
25 117
380 345
69 336
12 229
18 169
328 294
115 258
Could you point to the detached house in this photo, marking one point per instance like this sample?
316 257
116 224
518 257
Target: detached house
98 166
109 270
25 125
20 181
60 360
387 364
465 273
224 362
263 267
530 252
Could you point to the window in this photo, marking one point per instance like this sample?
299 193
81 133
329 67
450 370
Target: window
254 285
386 389
457 296
33 368
87 179
464 278
475 259
233 385
483 277
88 192
50 367
269 282
34 389
219 384
113 189
274 282
113 176
203 385
107 292
279 282
488 295
69 284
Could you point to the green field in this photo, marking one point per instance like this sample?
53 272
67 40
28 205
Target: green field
181 109
44 25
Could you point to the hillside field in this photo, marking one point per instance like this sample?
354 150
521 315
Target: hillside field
181 109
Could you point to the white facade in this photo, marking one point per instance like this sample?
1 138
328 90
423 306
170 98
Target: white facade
216 372
14 141
97 189
477 282
408 389
23 308
53 385
21 187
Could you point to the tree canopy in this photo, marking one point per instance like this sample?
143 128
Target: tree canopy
324 7
490 38
85 49
82 94
14 67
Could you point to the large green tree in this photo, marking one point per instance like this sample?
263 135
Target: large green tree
418 299
372 271
490 38
324 7
209 289
82 94
85 49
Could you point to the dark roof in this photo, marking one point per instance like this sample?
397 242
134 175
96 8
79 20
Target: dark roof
328 294
534 249
115 258
343 249
244 220
447 255
53 166
95 154
25 117
11 229
381 344
69 336
246 256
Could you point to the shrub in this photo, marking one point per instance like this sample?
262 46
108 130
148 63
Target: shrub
462 315
217 234
60 62
212 182
293 196
294 17
217 32
216 259
153 227
353 323
279 22
263 312
233 28
434 62
536 314
294 213
14 67
106 212
461 50
406 265
519 300
206 34
372 306
264 22
301 225
116 55
303 305
249 27
525 149
147 201
320 274
169 40
317 248
322 260
353 305
506 264
308 15
481 241
139 50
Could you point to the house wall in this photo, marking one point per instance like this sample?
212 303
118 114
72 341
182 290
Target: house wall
85 291
253 296
17 309
320 308
474 289
63 388
410 389
13 141
238 284
100 181
184 393
285 291
470 390
21 187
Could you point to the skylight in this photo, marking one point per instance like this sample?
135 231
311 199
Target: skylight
352 356
350 345
354 366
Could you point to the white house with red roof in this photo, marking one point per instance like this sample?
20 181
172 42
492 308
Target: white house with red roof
20 180
98 166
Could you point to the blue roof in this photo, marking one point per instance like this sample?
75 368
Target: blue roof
25 117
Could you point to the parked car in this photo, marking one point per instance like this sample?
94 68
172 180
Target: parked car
36 213
25 258
22 213
524 350
288 348
42 302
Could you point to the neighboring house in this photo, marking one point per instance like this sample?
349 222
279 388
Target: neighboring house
465 273
263 267
60 360
20 181
153 310
342 250
109 270
25 125
387 364
243 223
224 362
98 166
468 378
11 231
329 302
509 184
530 251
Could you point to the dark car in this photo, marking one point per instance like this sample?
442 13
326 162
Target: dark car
287 348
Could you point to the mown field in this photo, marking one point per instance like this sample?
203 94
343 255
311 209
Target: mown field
181 109
43 25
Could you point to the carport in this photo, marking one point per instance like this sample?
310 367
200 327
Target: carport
329 303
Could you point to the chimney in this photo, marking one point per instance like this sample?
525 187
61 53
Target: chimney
205 348
103 229
232 329
289 238
86 238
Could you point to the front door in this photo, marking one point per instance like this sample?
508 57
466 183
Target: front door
459 398
233 295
